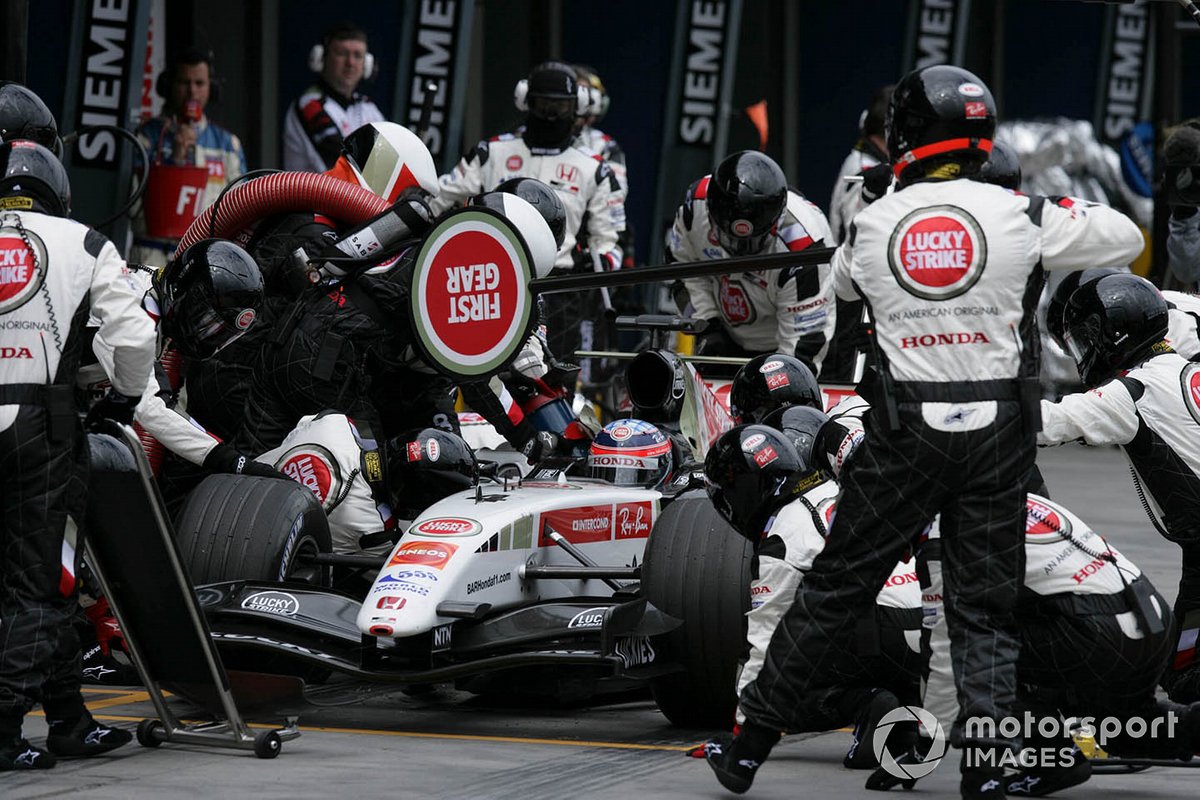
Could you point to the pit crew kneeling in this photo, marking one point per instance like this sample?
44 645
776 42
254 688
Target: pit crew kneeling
774 496
1094 637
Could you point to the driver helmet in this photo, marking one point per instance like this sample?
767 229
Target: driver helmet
551 98
387 159
531 223
746 196
1002 168
208 296
1113 324
630 452
23 115
33 179
771 381
752 471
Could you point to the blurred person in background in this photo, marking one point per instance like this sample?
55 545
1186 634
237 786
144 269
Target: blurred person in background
191 158
331 108
1181 152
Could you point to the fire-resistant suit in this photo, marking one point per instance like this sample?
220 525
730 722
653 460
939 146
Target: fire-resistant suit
314 126
1153 413
788 310
55 273
950 270
1183 320
887 648
1086 651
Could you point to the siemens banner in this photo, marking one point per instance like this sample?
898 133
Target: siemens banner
697 125
435 52
937 33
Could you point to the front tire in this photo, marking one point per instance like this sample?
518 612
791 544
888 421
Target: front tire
697 569
238 527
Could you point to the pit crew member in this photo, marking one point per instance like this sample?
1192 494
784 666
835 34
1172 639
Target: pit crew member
774 496
57 273
1143 398
745 208
950 270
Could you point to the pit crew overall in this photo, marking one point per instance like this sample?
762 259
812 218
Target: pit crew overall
56 273
950 270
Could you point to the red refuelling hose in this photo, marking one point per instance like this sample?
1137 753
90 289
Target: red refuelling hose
282 193
172 362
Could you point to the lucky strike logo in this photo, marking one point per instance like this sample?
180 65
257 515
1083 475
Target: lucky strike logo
937 253
741 227
513 163
312 471
634 520
1191 391
429 554
447 526
245 319
471 292
1043 520
20 277
735 305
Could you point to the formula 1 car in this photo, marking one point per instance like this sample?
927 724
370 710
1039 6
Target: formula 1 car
553 584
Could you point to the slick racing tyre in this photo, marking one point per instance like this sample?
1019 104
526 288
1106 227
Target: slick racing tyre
238 527
697 569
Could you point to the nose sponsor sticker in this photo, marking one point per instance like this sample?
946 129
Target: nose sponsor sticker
471 303
428 554
21 274
937 253
446 526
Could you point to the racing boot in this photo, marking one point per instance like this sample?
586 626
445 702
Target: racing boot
1041 781
83 736
735 759
861 754
20 755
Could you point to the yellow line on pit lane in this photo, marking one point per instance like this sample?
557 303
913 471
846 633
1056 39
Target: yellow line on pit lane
124 697
674 748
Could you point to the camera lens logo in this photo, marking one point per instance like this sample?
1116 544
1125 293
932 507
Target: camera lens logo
909 770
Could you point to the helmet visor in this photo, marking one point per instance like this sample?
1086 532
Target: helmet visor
552 108
200 332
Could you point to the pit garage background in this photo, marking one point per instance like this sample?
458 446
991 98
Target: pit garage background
690 80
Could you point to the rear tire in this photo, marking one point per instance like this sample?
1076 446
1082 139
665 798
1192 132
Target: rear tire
238 527
697 569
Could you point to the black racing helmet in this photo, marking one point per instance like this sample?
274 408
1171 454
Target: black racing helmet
750 472
23 115
1063 292
544 199
426 465
1113 324
33 179
1002 168
800 424
771 381
209 296
746 196
940 114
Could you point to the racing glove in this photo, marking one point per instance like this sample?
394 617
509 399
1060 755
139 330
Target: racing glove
542 444
114 406
876 181
224 458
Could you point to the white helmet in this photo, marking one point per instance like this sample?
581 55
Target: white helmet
529 221
386 158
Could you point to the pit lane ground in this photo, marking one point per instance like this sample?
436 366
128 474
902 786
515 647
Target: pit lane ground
365 744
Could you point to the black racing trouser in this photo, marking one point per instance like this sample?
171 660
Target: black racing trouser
39 643
1082 664
1182 678
892 488
880 658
